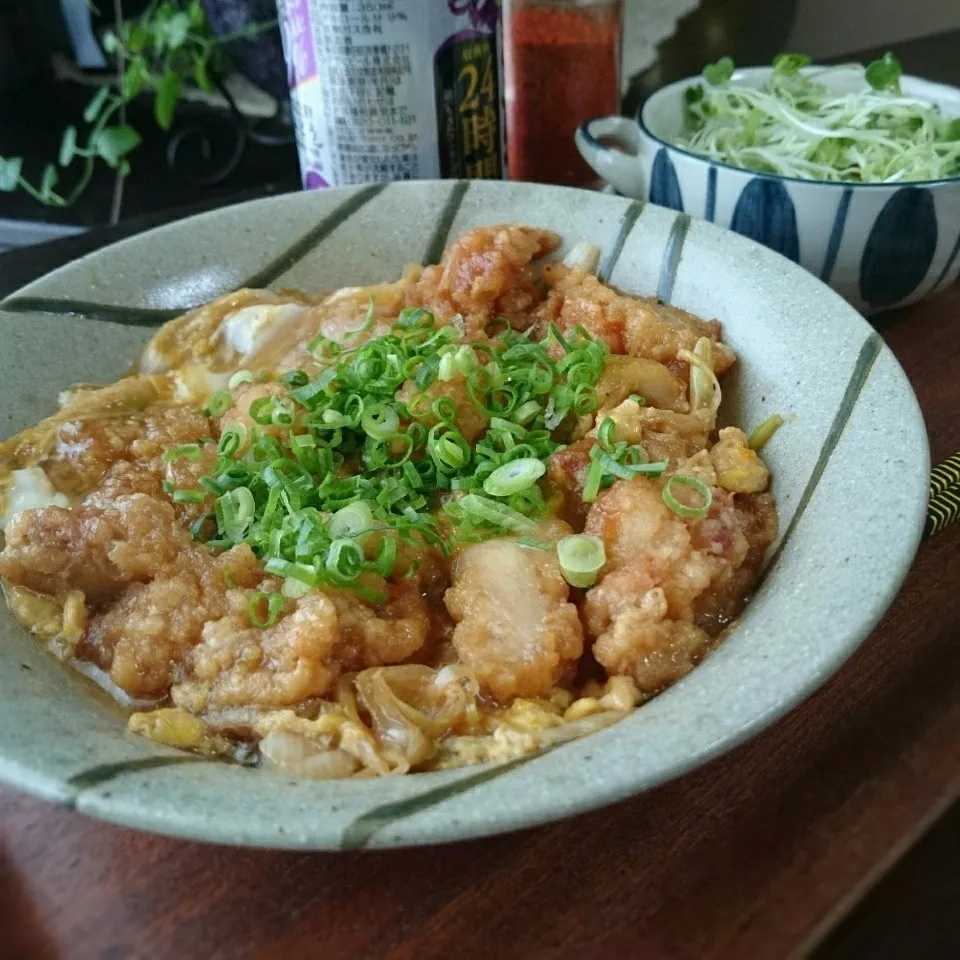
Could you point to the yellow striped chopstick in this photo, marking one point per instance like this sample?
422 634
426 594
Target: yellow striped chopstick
944 506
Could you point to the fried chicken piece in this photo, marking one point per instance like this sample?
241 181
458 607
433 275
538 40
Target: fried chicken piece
638 326
659 568
125 398
567 473
95 549
184 473
643 643
390 633
757 517
739 469
516 629
141 639
484 274
86 449
238 665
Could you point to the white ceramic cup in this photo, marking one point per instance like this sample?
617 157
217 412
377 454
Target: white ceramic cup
878 245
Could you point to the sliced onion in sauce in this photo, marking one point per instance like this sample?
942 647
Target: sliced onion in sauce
102 679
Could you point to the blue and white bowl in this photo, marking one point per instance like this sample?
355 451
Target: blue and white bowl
878 245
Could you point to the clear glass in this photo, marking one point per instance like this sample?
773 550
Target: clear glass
561 67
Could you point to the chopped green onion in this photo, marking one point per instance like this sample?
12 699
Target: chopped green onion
367 320
232 440
295 378
344 561
443 408
297 497
591 487
310 393
581 559
189 450
610 465
760 436
386 558
413 317
200 526
261 410
322 349
448 368
260 618
235 511
187 496
466 360
492 512
527 412
514 476
428 371
606 433
218 403
647 469
585 400
351 521
681 509
294 589
448 449
380 421
240 377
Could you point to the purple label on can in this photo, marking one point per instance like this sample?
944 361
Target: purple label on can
298 32
482 13
313 181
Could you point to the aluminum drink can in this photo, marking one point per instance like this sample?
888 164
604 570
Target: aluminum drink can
394 89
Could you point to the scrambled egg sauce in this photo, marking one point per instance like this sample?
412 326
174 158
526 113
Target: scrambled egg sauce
457 639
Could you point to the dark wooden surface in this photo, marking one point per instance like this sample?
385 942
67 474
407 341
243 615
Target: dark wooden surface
832 833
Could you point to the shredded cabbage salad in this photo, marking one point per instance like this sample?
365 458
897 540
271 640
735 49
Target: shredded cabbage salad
798 126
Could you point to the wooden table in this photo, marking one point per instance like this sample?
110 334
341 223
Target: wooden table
760 854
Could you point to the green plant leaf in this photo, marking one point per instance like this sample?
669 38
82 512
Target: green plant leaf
112 143
718 73
789 64
197 14
139 36
885 73
134 77
109 41
176 30
49 180
68 146
166 99
10 168
93 108
124 168
201 75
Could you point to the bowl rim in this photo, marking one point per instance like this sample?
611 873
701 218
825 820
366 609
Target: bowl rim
741 72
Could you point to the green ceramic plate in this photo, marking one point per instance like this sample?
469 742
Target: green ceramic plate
851 471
